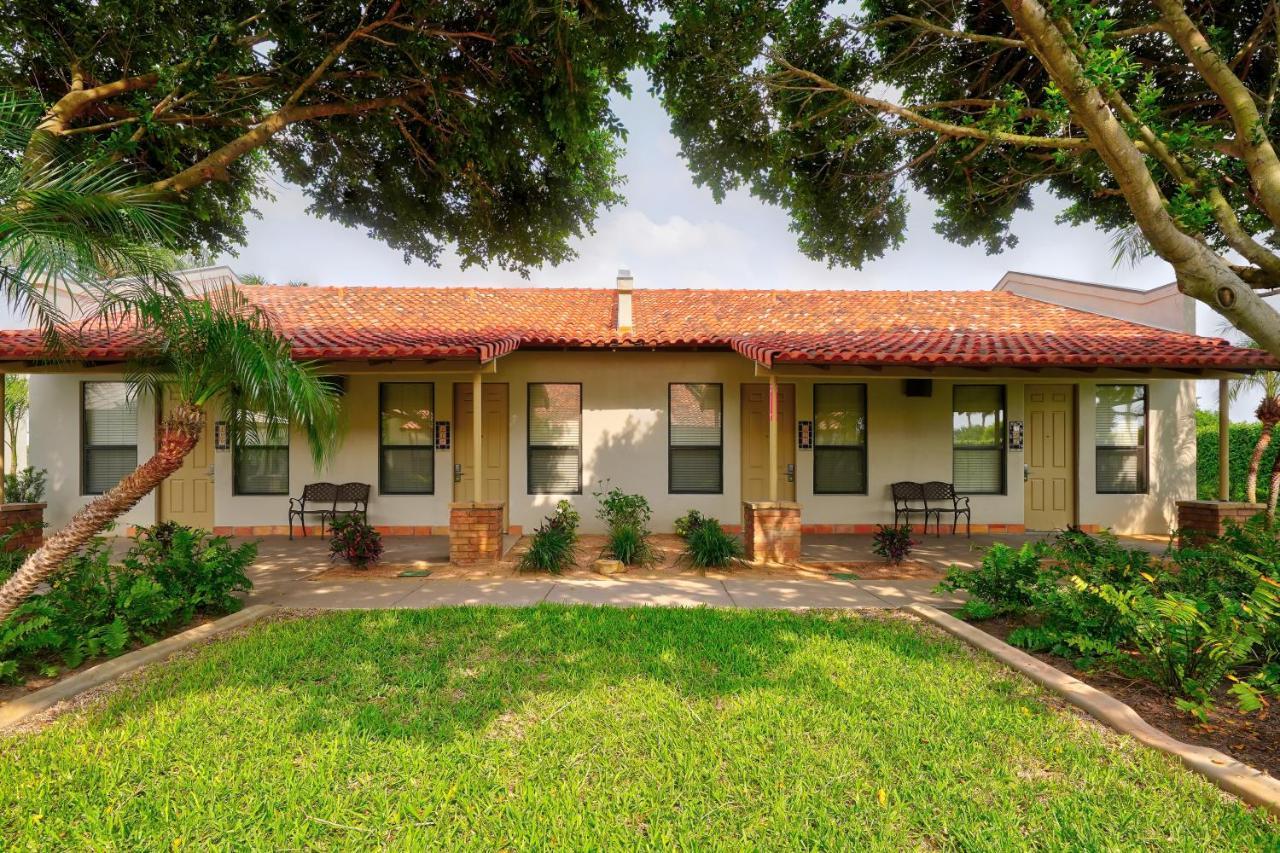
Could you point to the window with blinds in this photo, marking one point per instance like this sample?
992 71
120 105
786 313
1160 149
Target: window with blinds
555 438
109 435
1120 438
406 438
261 458
840 439
695 439
977 439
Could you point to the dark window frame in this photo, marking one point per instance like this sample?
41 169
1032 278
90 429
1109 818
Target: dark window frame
864 447
530 446
719 490
1144 471
429 446
85 447
1001 450
237 448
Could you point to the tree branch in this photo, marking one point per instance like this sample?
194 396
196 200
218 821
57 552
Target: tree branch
217 162
1251 135
910 115
937 29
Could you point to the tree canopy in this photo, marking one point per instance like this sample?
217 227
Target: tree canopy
485 126
1151 122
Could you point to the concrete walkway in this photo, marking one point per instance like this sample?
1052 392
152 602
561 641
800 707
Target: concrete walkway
766 593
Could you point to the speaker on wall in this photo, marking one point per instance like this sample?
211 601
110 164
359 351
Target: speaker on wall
917 387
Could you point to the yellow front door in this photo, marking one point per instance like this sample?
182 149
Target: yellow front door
186 497
1050 491
494 436
755 442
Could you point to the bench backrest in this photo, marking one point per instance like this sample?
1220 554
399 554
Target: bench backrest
319 493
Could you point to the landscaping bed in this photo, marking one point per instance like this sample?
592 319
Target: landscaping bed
1189 639
95 607
597 727
1253 739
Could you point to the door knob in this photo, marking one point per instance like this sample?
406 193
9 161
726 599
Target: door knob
791 472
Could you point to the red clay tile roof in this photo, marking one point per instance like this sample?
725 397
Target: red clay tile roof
880 328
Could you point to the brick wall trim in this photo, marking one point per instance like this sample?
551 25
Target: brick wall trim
26 522
1209 518
475 532
772 531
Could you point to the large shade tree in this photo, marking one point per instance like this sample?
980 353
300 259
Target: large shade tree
1152 120
485 126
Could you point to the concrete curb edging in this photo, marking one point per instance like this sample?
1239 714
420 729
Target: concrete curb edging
1249 784
23 707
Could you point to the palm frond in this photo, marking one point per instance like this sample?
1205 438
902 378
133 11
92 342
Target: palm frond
221 349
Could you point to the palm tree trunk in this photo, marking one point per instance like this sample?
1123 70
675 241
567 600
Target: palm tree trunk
1251 482
1274 494
179 433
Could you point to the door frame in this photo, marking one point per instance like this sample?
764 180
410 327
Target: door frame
1073 447
454 456
786 438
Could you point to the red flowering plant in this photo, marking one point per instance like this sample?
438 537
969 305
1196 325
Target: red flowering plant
355 541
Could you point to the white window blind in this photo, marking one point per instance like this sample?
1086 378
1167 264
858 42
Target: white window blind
555 438
695 435
262 458
977 439
1120 438
840 439
406 438
109 435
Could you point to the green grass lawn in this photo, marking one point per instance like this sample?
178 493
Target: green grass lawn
554 726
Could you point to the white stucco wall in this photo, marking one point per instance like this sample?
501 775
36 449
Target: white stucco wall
624 429
54 444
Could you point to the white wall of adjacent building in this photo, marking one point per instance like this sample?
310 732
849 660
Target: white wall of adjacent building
624 439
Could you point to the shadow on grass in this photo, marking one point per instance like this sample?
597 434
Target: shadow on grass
431 675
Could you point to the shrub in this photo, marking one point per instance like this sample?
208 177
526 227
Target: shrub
198 570
690 522
892 543
708 546
630 544
566 517
551 548
619 509
1003 580
1202 614
1243 439
355 541
25 487
94 608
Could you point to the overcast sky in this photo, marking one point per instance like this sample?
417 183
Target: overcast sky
671 233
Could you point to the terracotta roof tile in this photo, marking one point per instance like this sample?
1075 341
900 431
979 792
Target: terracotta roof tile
958 328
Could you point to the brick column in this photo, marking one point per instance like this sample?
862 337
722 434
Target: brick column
475 532
27 523
772 531
1204 519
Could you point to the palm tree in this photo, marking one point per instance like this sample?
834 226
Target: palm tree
17 402
73 221
1266 382
215 350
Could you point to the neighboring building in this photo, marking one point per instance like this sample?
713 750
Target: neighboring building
667 393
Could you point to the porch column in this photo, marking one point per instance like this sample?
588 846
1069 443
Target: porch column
773 437
477 451
1224 440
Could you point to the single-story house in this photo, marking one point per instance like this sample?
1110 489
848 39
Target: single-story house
1043 414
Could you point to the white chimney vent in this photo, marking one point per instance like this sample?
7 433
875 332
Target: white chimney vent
625 285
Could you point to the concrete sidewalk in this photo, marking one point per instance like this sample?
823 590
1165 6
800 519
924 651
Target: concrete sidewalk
767 593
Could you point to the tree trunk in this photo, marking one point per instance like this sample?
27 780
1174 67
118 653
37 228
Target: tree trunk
1255 462
1274 493
179 433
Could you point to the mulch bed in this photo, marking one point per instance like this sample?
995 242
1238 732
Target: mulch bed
9 692
1251 738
